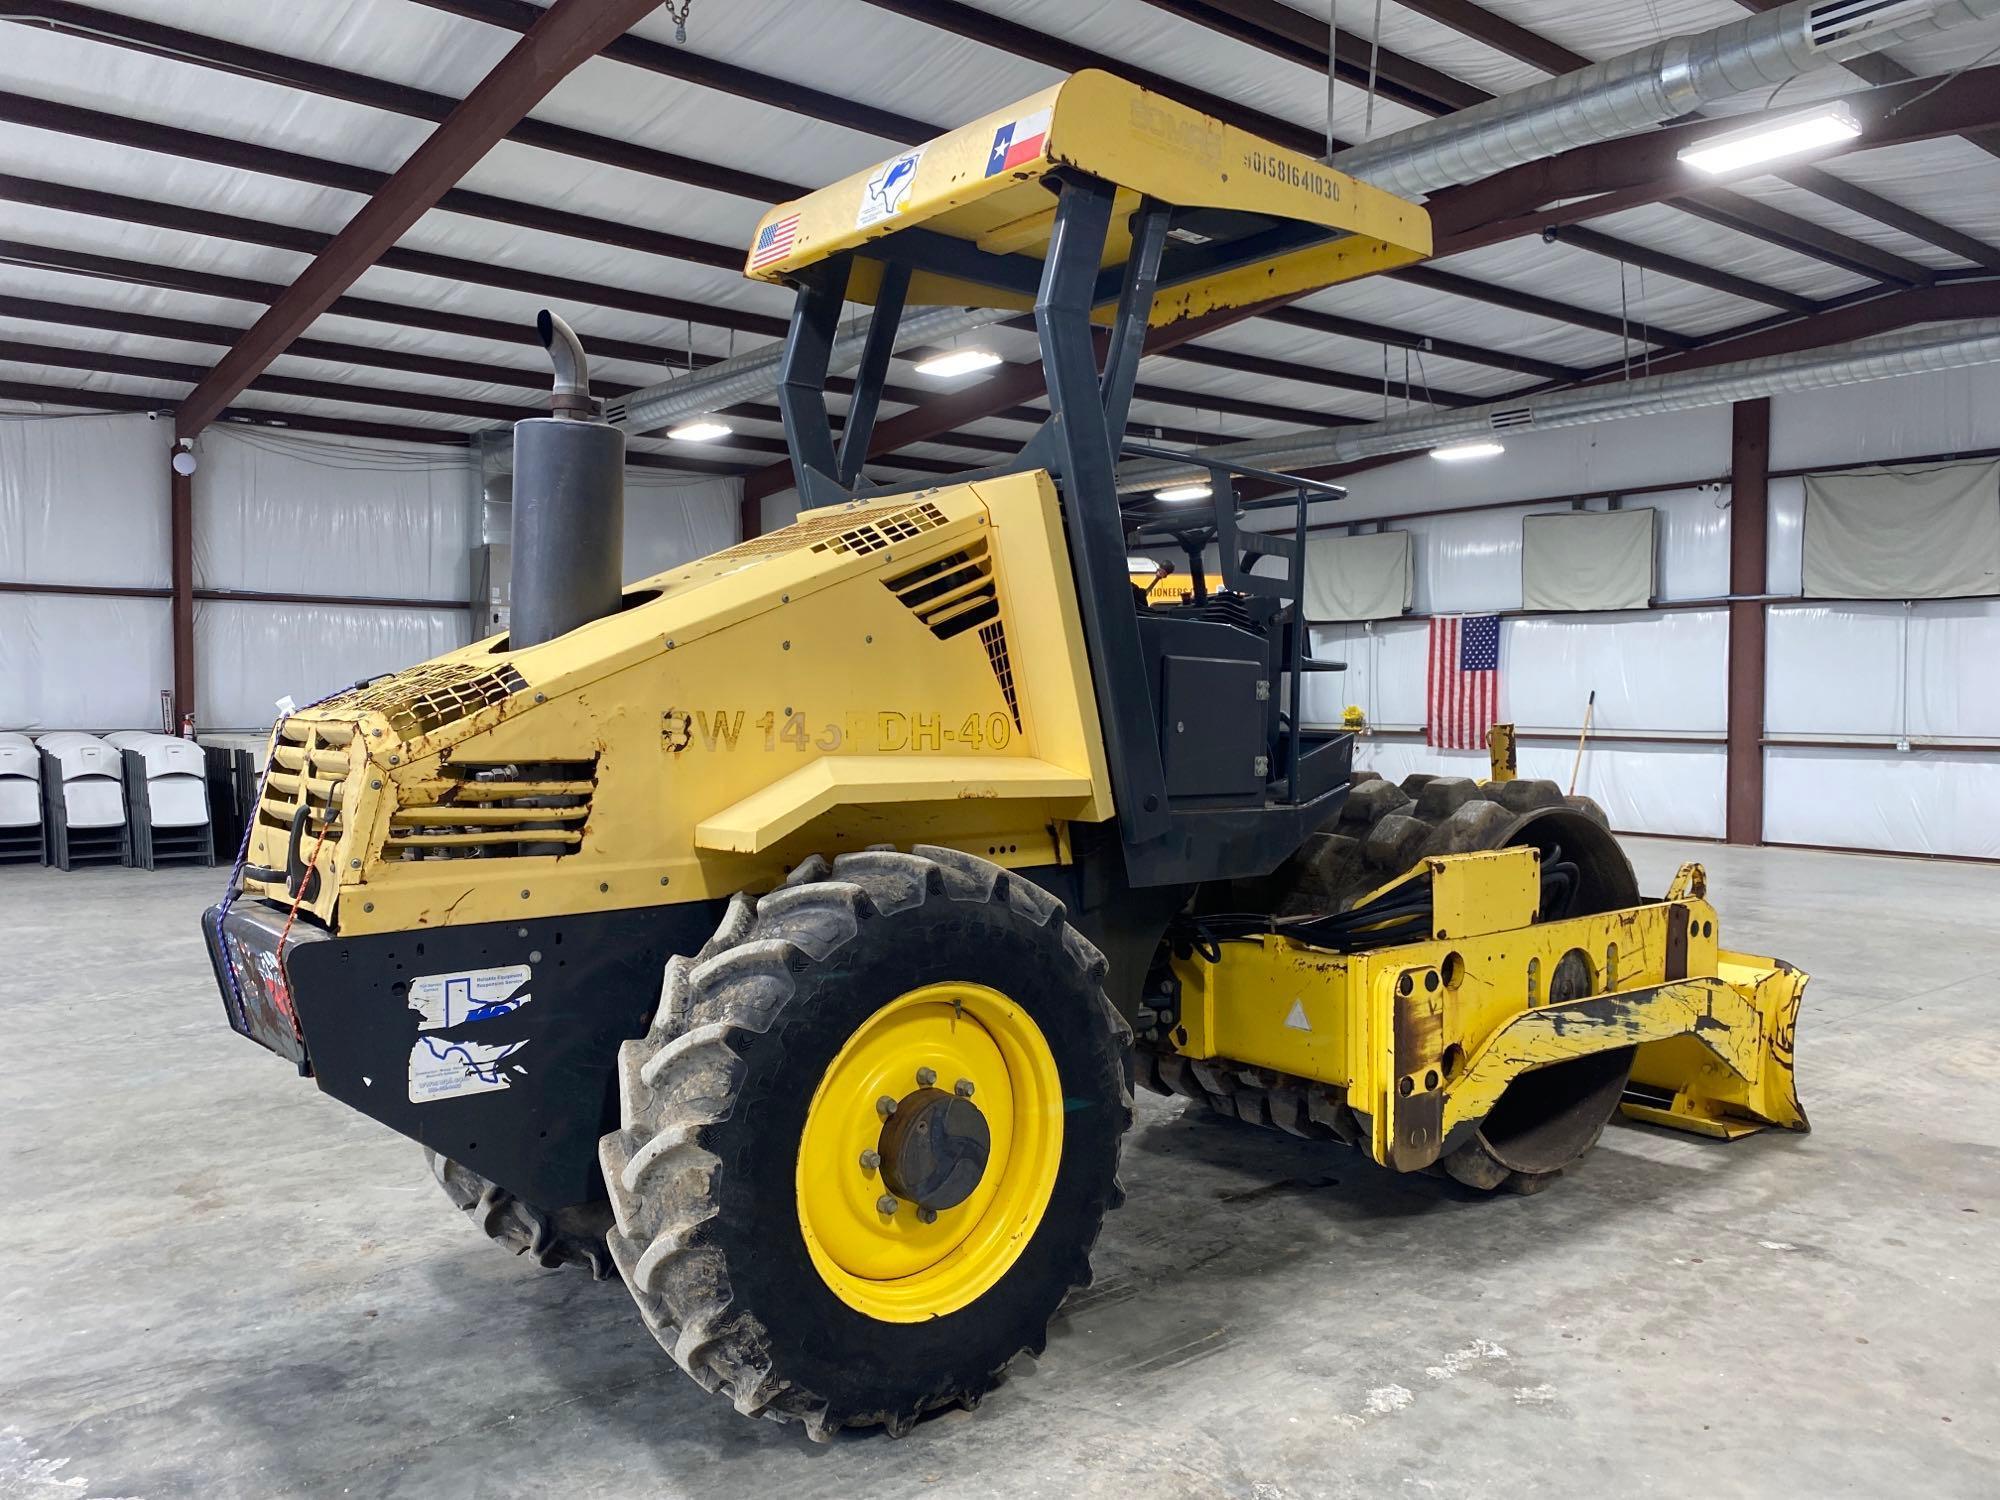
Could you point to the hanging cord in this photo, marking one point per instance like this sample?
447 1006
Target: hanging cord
1624 321
1943 82
1374 55
1645 329
1332 50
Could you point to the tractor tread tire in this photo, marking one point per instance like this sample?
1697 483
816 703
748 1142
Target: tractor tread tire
551 1237
670 1167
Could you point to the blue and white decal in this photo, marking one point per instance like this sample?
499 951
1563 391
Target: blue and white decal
888 188
451 1058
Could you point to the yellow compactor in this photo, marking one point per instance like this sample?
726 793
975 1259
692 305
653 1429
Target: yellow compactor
785 933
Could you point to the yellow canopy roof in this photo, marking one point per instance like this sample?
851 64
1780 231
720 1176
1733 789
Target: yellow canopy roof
1253 221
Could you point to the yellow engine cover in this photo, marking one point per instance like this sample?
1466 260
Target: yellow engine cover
909 669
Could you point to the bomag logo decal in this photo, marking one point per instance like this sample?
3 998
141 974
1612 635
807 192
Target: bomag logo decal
887 731
1196 140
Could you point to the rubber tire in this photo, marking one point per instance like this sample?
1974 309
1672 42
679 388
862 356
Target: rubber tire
551 1238
714 1100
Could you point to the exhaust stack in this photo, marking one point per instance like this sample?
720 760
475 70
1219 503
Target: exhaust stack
569 503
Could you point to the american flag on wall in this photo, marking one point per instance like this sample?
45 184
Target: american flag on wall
1463 697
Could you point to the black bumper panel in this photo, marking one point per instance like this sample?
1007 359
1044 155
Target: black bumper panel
495 1044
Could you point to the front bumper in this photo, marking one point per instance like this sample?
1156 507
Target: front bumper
495 1044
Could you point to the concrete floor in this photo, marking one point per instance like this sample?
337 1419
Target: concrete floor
214 1281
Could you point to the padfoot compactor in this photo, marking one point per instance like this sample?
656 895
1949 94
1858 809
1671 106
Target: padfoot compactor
785 933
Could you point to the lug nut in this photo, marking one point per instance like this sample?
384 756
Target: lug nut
963 1088
886 1204
926 1077
870 1160
885 1106
927 1216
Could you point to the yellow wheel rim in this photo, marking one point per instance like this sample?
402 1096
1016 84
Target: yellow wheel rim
894 1266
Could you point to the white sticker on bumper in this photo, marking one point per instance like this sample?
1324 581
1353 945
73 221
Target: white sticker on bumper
449 1067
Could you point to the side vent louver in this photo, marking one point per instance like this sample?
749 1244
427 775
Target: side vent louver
487 811
954 594
1509 418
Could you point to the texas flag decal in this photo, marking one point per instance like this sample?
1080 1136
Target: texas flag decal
1018 142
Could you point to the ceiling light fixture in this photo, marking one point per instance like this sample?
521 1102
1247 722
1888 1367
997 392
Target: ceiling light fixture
957 362
1767 140
1453 453
700 430
1183 492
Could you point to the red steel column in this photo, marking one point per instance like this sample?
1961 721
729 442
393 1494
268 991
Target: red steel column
1749 527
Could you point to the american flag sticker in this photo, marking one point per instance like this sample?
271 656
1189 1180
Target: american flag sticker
774 242
1018 142
1463 694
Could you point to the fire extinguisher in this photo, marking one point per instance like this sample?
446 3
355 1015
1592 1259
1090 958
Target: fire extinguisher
187 726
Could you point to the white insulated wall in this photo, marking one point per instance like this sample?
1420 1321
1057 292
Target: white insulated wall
1928 671
84 501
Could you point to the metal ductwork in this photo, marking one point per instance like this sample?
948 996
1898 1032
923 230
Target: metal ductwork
1603 102
756 374
1916 351
569 504
1645 88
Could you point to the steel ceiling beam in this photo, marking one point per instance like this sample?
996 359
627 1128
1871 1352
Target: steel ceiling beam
294 166
1873 206
690 67
358 88
1551 57
569 33
1301 374
1501 34
1283 32
55 395
1396 338
186 330
367 309
1610 176
1298 38
471 372
1865 316
1037 45
90 24
1713 277
1788 231
1879 68
95 124
1541 307
130 210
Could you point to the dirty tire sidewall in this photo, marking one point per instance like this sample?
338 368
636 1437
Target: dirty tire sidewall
862 1365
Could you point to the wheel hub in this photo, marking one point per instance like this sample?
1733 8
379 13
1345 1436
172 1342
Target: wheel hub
934 1149
931 1147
